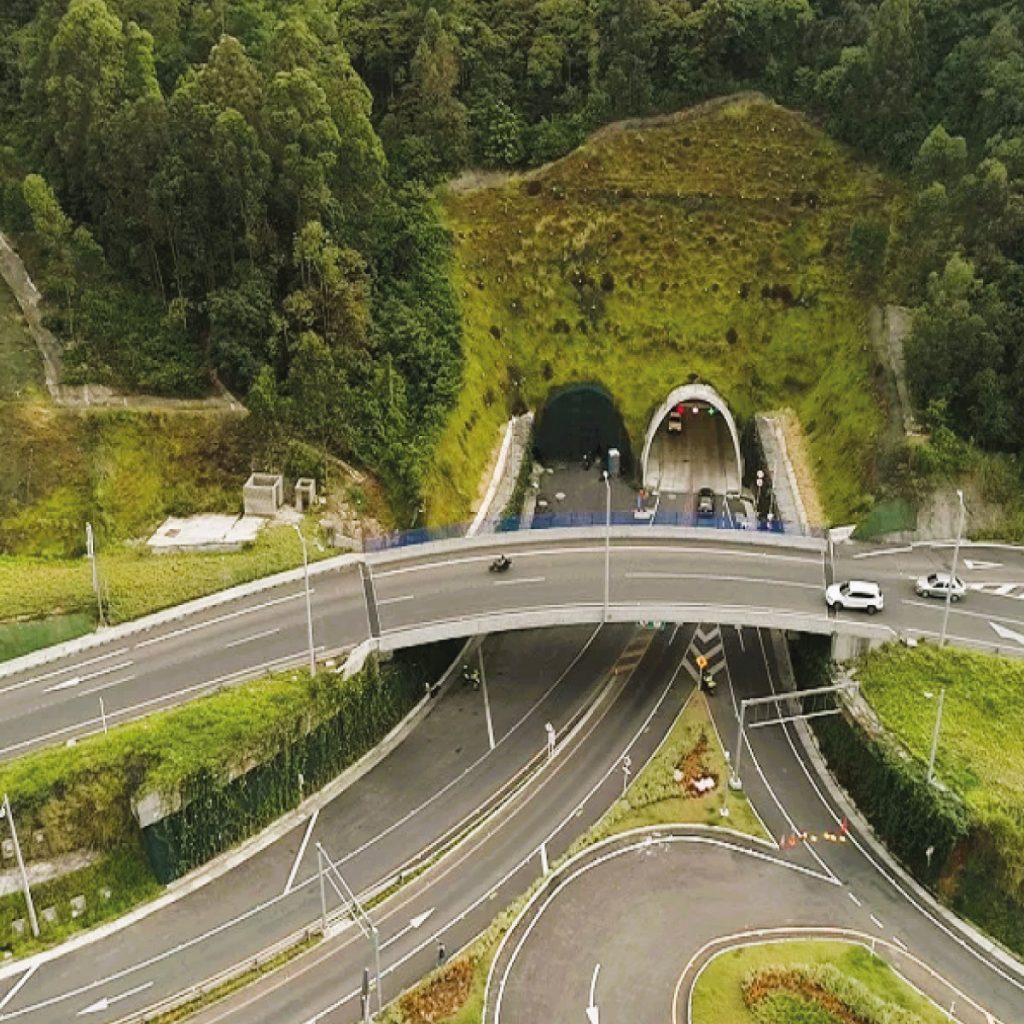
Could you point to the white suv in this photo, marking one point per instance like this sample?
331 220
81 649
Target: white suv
855 594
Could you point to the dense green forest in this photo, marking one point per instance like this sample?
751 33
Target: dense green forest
240 189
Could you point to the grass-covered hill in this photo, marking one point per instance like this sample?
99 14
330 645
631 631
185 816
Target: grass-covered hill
711 243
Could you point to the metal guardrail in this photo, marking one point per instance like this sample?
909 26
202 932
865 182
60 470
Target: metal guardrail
571 520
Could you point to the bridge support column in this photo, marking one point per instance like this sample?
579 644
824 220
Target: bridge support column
846 647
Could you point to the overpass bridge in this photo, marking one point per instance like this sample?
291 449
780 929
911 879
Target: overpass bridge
411 595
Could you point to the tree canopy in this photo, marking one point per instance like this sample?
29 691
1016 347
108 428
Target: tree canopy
240 189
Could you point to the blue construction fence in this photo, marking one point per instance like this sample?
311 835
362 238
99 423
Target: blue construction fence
567 520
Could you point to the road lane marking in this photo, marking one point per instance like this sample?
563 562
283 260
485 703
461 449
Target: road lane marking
221 618
854 898
102 1004
877 554
1007 634
302 851
878 924
717 579
973 563
938 606
18 985
255 636
74 681
899 942
60 671
520 579
395 600
414 923
593 1015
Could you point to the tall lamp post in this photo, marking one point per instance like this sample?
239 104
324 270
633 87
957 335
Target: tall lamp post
607 542
6 812
952 573
309 609
942 635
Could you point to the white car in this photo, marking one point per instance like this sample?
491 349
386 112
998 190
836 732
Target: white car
937 584
856 595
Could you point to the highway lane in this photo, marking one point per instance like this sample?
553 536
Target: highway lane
676 575
463 892
179 661
423 791
644 914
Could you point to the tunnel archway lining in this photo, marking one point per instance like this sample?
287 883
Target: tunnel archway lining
581 418
692 393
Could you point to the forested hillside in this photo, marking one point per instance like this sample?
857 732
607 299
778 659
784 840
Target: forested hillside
240 187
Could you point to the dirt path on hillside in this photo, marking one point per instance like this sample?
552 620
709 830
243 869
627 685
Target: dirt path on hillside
475 179
82 396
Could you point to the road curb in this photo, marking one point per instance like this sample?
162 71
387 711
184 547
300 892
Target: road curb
844 800
229 860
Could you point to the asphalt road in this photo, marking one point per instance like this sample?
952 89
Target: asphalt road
446 589
423 793
644 914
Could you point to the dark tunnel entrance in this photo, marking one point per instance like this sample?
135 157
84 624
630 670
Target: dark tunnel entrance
579 420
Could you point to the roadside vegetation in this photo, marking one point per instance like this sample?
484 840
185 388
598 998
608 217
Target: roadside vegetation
222 767
454 993
807 982
963 838
715 243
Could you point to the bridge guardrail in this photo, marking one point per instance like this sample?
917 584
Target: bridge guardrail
572 520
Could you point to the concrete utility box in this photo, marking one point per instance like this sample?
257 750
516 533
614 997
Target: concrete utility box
305 493
263 494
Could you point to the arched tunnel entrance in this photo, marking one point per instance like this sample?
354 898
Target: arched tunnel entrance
581 420
692 442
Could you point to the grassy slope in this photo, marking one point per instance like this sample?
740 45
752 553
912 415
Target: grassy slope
681 216
981 749
718 996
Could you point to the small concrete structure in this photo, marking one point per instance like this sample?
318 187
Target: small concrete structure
305 493
263 494
77 906
205 533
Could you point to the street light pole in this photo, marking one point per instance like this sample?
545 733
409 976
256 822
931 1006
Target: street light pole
90 550
935 735
6 812
607 543
309 609
952 573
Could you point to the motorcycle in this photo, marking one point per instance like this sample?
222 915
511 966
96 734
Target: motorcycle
708 683
501 564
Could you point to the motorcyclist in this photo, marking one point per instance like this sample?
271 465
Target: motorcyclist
502 562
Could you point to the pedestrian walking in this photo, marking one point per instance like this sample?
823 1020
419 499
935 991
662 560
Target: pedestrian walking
442 953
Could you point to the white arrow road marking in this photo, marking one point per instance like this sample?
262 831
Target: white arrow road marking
102 1004
72 681
972 563
416 921
1008 634
593 1014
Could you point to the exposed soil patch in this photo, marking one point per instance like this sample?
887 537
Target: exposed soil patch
442 997
694 766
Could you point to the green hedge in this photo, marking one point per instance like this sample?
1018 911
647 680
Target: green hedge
891 790
216 815
887 783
